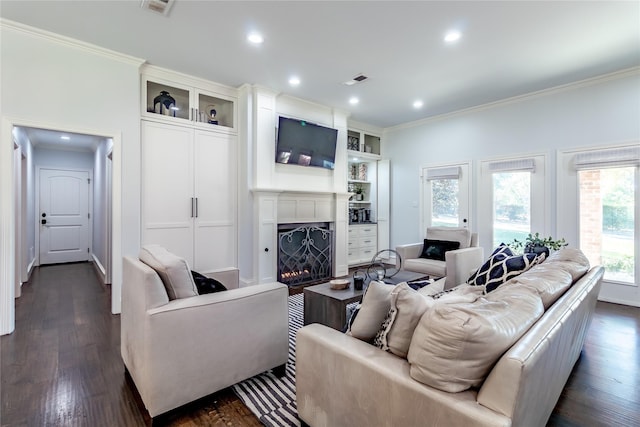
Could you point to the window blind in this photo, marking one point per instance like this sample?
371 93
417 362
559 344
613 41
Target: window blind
624 156
452 172
519 165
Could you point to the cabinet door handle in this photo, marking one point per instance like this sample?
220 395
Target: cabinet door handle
192 205
196 207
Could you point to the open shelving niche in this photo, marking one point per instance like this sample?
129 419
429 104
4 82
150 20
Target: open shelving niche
363 154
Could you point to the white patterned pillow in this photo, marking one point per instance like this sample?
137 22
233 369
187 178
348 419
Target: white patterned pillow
406 308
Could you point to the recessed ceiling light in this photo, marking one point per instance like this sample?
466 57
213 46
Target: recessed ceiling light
452 36
65 137
255 38
294 81
353 100
418 104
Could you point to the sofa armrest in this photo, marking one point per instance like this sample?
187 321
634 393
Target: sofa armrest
409 251
461 263
210 342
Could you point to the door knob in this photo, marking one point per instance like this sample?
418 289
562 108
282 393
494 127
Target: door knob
44 221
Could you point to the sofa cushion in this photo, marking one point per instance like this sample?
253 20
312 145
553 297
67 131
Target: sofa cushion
501 267
173 270
571 260
430 267
545 280
370 314
461 235
454 346
435 249
406 308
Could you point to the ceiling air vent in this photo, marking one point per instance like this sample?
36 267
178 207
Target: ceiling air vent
357 79
159 6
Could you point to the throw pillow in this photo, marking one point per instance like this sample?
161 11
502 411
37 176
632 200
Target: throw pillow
454 346
375 305
207 285
435 249
501 267
173 270
407 307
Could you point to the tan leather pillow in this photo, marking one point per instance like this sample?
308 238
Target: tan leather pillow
173 270
454 346
372 311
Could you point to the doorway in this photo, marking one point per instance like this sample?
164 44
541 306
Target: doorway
70 195
64 212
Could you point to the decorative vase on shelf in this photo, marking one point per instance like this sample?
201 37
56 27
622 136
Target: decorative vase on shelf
362 172
167 101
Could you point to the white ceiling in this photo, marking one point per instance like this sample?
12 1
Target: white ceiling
507 48
44 138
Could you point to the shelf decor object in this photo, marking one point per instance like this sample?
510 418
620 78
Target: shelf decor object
165 100
362 172
211 115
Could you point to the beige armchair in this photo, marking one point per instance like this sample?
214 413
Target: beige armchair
458 265
179 350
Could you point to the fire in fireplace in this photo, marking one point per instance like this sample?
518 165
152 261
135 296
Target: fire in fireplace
304 253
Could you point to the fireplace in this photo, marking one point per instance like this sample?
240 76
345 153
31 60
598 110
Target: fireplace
305 253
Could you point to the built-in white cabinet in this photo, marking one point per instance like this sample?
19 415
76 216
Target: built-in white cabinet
175 98
189 191
368 182
362 243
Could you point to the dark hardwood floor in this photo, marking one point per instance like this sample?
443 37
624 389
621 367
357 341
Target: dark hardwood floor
62 365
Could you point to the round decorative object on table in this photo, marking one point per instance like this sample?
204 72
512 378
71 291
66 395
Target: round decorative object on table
377 265
339 284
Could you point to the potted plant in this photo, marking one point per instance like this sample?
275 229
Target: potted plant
533 243
357 188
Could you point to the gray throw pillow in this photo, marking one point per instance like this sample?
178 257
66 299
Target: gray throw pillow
173 270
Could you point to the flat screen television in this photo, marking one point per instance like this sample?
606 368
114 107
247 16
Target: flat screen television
306 144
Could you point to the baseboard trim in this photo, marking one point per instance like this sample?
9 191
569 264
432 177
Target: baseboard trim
100 270
619 301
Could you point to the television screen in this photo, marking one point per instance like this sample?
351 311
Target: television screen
305 144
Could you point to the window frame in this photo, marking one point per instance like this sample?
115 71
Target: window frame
540 194
568 213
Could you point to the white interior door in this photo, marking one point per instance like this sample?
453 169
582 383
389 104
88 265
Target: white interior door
215 197
446 196
168 202
64 216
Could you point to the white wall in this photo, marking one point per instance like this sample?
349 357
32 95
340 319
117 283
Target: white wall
57 83
100 203
593 113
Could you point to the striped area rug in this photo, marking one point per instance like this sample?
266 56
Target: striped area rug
273 399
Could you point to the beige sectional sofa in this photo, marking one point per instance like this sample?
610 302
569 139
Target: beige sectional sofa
456 373
183 348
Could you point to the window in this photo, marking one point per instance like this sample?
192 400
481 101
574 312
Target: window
607 203
512 199
511 206
446 196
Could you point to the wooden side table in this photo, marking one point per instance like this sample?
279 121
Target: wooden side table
328 306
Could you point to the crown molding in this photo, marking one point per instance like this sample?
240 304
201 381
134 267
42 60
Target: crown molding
532 95
68 41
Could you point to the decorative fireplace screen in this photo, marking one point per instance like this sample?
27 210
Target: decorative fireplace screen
304 254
